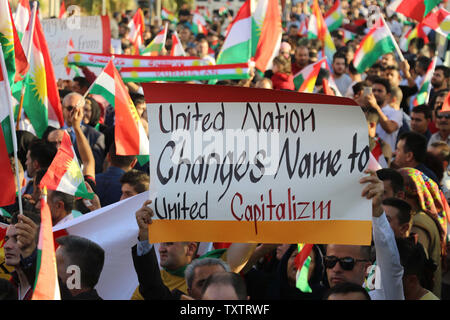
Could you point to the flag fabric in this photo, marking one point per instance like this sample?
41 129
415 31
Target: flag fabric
137 26
439 21
424 91
8 194
155 47
317 29
22 17
177 47
305 79
334 17
419 31
130 136
415 9
42 103
446 105
64 173
46 286
70 47
267 36
302 262
326 88
237 45
348 35
303 29
15 59
375 44
168 15
62 10
198 24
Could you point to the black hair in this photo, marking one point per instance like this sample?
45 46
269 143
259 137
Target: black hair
415 143
43 152
395 177
82 82
340 55
347 287
139 180
384 82
423 108
117 160
403 207
445 70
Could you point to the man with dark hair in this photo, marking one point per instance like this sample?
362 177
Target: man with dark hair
347 291
420 120
339 66
443 125
134 182
40 155
87 259
380 150
410 153
301 59
390 119
80 85
224 286
392 182
439 81
398 213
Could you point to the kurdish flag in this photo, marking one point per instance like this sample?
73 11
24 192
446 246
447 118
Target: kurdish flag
155 47
168 15
237 45
41 99
15 59
439 21
317 29
305 79
415 9
8 194
302 262
46 286
334 17
137 27
267 36
22 17
376 43
424 92
130 135
198 24
64 173
177 47
419 31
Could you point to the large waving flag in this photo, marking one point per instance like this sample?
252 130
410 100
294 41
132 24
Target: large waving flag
22 17
305 80
317 29
177 47
46 286
376 43
137 26
64 173
15 59
334 17
8 194
42 103
130 135
266 33
237 45
439 21
155 47
424 91
415 9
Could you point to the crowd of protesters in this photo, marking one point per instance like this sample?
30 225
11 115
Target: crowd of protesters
409 195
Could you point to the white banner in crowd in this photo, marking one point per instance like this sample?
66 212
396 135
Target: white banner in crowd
88 33
233 164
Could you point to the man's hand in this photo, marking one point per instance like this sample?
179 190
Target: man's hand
93 204
144 218
372 101
27 234
374 190
76 117
405 68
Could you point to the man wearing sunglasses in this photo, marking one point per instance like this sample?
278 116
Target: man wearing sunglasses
349 263
443 124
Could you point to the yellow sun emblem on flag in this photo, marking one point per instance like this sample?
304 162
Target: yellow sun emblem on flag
134 113
40 81
6 32
74 172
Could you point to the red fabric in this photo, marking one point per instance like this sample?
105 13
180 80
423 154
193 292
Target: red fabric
283 81
432 127
221 245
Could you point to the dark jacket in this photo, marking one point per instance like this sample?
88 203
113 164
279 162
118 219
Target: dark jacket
97 142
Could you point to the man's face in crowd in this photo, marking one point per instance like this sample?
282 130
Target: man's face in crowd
380 93
202 273
442 123
12 251
393 77
437 79
392 217
56 137
418 122
302 56
173 255
293 31
337 274
439 102
185 35
202 48
388 190
127 191
402 158
68 106
31 167
339 66
387 60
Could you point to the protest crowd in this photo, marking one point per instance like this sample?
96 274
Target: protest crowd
390 61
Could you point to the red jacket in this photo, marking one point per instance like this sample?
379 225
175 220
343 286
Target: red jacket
283 81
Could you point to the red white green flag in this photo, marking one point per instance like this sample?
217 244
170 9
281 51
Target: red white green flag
375 44
42 103
46 286
415 9
177 47
15 59
439 21
302 262
334 17
168 15
198 24
137 26
130 135
419 31
424 91
305 79
22 17
155 47
64 173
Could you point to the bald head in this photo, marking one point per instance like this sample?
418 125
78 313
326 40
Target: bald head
71 101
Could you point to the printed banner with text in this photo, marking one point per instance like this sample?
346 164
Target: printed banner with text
234 164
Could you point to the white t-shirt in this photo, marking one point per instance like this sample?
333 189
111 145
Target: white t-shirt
394 115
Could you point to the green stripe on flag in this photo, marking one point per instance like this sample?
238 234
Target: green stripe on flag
302 281
382 46
83 192
235 76
235 54
98 89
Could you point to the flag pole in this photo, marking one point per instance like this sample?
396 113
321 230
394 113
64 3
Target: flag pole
13 133
22 91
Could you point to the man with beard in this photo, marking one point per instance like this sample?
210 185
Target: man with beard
341 78
439 81
301 59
